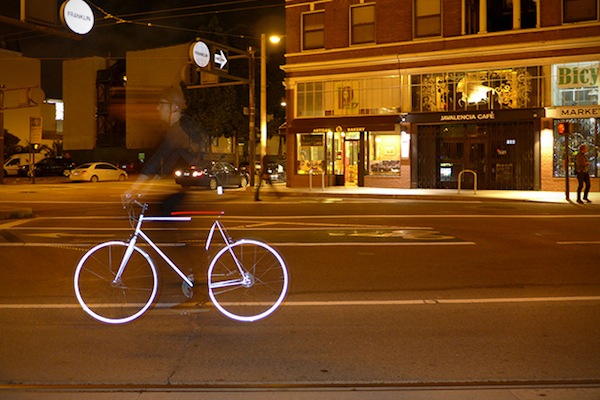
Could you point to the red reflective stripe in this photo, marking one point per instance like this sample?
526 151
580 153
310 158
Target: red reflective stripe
197 212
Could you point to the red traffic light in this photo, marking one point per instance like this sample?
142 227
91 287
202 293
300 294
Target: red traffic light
563 128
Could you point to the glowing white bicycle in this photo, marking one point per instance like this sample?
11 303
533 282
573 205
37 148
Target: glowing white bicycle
116 281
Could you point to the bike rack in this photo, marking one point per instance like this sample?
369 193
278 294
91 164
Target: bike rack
311 173
460 174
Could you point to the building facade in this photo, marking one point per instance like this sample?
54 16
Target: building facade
422 93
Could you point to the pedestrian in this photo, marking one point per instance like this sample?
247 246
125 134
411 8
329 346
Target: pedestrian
582 165
178 145
264 176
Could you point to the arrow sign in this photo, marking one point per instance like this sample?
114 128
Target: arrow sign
220 58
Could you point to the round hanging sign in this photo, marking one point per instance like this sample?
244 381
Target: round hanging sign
77 16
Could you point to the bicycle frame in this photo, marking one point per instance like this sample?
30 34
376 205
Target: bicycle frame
138 232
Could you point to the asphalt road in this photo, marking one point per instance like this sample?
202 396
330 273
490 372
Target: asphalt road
383 294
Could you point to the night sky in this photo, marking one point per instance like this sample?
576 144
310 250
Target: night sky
123 25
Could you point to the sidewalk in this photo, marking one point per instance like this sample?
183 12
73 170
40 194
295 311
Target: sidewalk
434 194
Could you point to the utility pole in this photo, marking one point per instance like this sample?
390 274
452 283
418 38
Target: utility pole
2 132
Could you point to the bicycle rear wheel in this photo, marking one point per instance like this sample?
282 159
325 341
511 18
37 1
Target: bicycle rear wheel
110 301
255 291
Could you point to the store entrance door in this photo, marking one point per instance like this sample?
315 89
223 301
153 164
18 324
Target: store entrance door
351 161
477 160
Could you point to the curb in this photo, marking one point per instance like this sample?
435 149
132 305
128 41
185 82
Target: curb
17 213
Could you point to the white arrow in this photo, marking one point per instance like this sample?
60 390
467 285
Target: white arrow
220 59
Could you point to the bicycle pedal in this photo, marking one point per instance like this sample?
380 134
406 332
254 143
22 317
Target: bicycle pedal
188 291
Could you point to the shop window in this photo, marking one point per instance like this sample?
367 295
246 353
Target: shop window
580 10
428 18
384 154
313 30
311 153
477 90
575 84
362 23
582 131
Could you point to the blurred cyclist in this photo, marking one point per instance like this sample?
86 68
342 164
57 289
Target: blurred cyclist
177 146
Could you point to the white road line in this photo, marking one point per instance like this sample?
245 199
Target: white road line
349 303
274 244
580 242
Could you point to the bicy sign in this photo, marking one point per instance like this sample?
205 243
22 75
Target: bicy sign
578 76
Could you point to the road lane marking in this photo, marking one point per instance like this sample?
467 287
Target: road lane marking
200 243
345 303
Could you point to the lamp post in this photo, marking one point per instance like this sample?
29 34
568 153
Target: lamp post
263 91
263 96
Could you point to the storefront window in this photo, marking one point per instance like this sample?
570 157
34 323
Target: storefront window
575 84
582 131
311 153
508 88
384 154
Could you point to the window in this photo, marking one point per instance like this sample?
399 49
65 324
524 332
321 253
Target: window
471 17
519 87
583 131
580 10
364 96
384 154
428 18
313 28
575 84
362 24
499 15
310 99
311 153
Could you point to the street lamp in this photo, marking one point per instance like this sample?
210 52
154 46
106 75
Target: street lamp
263 91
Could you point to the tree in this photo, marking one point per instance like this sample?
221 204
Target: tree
11 144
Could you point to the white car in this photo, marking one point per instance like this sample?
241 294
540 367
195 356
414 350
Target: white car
97 171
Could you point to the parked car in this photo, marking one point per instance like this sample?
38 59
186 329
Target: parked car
97 171
131 167
276 172
48 166
11 166
211 176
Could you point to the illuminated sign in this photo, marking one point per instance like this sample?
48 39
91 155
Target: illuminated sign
77 16
200 54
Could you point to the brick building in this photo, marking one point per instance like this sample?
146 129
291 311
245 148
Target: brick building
410 93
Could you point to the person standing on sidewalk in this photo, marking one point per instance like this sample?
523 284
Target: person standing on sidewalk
582 165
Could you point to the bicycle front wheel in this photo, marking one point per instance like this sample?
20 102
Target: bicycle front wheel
247 280
112 300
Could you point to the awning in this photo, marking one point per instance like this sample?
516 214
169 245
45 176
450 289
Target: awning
344 124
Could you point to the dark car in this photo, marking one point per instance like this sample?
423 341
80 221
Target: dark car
211 176
49 166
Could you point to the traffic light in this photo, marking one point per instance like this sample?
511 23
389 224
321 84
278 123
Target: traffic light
564 128
36 146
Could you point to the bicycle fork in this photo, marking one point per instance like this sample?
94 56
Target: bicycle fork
247 278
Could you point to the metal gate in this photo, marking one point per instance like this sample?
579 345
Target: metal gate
502 155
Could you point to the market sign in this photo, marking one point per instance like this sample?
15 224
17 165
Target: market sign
77 16
573 112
